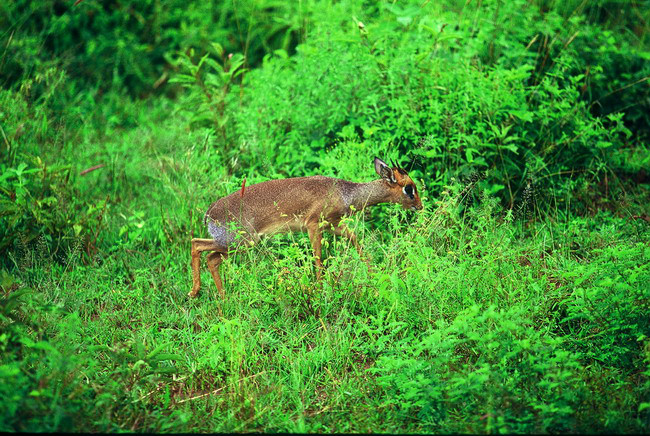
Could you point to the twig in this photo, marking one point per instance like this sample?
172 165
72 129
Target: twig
99 224
645 218
161 80
87 170
571 39
216 391
11 37
159 388
7 143
532 41
621 89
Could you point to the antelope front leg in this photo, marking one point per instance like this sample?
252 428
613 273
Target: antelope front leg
315 237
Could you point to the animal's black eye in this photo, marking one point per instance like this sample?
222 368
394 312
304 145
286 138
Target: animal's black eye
408 190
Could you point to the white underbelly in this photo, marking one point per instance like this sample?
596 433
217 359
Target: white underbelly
294 225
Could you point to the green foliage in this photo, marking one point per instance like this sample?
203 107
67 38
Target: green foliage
608 303
516 301
489 365
406 86
35 203
209 82
38 390
115 44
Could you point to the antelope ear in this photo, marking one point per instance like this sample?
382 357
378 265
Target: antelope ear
384 170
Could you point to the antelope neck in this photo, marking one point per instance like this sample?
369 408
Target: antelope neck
362 195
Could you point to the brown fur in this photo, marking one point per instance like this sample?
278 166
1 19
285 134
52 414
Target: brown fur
310 204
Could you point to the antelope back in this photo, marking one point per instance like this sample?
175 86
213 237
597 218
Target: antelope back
267 206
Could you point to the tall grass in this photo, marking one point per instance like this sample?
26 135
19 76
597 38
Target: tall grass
516 301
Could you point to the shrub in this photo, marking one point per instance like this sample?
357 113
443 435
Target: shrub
607 303
491 367
124 44
403 87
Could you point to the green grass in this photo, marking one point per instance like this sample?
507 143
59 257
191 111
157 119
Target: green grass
517 301
123 347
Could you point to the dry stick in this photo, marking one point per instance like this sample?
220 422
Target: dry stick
161 80
87 170
622 88
641 217
505 167
11 37
162 214
160 387
532 41
99 224
7 143
220 389
571 39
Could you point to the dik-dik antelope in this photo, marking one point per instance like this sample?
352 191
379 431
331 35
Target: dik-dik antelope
311 204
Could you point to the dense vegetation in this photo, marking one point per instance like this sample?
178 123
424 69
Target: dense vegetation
517 301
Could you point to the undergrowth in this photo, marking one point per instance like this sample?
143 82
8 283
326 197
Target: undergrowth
516 301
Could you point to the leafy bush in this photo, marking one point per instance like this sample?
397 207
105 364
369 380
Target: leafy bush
38 382
124 44
209 81
608 303
527 126
490 366
37 199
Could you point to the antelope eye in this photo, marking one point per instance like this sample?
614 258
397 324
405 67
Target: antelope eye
408 190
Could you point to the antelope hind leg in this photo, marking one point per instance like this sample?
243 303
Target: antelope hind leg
214 260
315 237
199 246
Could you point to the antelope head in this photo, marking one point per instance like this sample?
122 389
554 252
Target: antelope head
402 189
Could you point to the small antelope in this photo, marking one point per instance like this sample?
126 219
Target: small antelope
311 204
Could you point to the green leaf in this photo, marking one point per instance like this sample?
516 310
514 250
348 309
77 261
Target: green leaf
166 356
218 48
603 144
469 154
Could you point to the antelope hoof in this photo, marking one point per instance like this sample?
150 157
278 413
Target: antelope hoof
193 293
